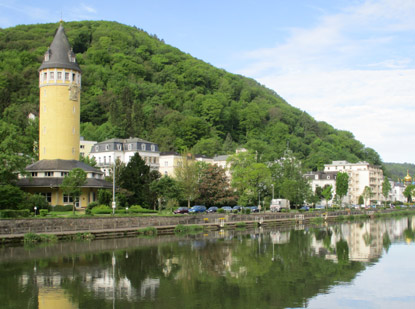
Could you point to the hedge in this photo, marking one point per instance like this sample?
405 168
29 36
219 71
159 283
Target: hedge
101 210
139 209
60 208
12 213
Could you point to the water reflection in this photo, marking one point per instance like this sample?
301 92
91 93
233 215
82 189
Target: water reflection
255 269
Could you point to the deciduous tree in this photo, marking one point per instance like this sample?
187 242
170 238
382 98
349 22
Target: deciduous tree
72 185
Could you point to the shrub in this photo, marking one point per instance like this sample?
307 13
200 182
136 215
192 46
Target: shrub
101 210
33 238
246 211
60 208
43 212
221 211
139 209
90 207
150 231
240 225
188 229
11 213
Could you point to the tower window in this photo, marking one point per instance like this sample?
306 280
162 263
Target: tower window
73 77
45 76
60 75
52 75
73 130
66 76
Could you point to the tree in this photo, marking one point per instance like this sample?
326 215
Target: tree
72 185
187 176
327 193
165 188
136 179
367 194
386 188
409 192
289 181
214 188
12 160
250 179
88 160
342 185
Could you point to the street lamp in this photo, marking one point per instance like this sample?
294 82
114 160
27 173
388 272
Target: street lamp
126 209
113 190
35 210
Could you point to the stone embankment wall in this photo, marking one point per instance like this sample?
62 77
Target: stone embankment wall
61 225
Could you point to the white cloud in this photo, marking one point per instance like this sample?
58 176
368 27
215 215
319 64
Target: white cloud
350 71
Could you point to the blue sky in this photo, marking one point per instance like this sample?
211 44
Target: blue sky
349 63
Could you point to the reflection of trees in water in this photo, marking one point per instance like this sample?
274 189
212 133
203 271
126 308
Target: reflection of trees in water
277 268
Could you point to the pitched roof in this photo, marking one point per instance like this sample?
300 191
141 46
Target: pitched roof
55 182
60 53
60 165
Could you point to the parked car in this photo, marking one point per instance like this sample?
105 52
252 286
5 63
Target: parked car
227 208
254 209
181 210
212 209
320 207
305 208
197 208
237 208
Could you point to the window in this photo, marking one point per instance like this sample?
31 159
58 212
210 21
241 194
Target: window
119 147
143 147
67 198
107 147
52 75
34 174
82 146
130 146
109 159
96 148
73 77
63 174
48 196
60 75
48 174
328 177
45 76
66 76
105 160
153 147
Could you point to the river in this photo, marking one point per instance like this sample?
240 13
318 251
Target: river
365 264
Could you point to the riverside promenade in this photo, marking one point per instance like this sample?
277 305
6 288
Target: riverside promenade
13 230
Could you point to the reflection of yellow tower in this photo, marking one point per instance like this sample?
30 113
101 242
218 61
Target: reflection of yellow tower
59 111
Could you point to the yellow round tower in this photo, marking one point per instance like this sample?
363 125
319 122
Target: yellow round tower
59 110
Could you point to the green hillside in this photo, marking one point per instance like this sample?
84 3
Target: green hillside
397 171
133 84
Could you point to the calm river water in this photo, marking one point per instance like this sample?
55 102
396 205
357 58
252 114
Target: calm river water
369 264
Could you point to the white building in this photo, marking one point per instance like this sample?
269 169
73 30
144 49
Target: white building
107 152
322 179
361 174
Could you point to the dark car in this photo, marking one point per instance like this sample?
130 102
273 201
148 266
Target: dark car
212 209
237 208
254 209
197 208
181 210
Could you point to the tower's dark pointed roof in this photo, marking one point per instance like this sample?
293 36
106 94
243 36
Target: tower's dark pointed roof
60 54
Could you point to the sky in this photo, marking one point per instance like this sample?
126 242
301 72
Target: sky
348 63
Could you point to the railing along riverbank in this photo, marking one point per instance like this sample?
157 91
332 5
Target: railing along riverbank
111 227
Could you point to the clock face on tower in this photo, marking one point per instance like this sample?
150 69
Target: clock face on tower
73 92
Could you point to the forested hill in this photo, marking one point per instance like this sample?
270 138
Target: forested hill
133 84
397 171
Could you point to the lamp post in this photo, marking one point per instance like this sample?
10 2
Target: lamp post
113 190
35 210
272 185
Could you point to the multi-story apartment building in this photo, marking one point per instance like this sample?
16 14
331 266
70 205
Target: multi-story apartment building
107 152
361 174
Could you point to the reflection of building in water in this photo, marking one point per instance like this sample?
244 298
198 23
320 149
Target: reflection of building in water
280 237
149 287
365 239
